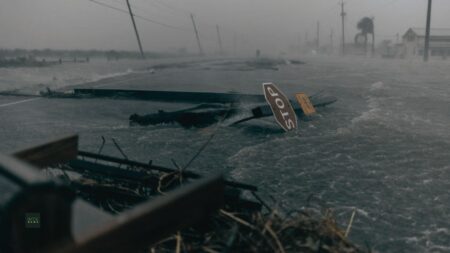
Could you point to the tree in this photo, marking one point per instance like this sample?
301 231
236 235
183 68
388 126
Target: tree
366 26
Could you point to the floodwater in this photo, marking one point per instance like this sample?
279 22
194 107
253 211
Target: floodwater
383 148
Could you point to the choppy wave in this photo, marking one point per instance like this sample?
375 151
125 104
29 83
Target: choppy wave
32 80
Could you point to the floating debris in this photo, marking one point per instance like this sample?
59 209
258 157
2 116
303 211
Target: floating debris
112 203
205 115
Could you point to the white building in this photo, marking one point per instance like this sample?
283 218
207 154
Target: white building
414 42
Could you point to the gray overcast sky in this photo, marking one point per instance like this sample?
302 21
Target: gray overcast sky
267 24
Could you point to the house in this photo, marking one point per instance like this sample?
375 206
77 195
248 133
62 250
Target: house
414 42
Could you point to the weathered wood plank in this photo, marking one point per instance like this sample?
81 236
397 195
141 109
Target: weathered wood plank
58 151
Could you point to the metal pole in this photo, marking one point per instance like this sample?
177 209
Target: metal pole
343 27
135 30
200 49
427 35
220 39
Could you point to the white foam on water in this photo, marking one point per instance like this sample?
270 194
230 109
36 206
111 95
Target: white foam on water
372 113
32 80
377 86
97 77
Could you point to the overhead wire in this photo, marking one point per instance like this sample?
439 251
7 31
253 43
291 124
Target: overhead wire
138 16
172 7
150 20
200 21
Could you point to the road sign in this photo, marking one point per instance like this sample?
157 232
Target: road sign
305 104
281 107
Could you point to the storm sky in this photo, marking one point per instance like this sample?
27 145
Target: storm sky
271 25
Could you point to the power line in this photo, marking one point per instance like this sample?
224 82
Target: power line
140 9
172 7
137 16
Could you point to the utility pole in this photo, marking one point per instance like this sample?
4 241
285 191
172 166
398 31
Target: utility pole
331 41
200 49
219 39
318 36
373 37
235 44
299 46
306 38
427 33
135 29
343 26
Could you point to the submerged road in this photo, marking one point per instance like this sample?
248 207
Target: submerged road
382 149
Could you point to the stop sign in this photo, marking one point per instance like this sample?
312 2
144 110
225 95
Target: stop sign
281 107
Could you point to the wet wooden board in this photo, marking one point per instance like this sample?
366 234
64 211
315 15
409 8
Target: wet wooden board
58 151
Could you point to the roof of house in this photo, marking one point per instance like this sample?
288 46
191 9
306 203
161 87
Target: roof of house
435 32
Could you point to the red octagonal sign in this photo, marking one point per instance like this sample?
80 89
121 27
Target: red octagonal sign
281 107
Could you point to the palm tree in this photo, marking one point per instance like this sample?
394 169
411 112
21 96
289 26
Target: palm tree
366 26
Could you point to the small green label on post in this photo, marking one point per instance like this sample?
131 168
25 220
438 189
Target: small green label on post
32 220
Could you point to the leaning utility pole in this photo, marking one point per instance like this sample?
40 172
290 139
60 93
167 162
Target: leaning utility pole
427 33
219 39
343 26
135 29
200 49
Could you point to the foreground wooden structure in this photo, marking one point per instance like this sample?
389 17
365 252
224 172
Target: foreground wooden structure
55 202
152 221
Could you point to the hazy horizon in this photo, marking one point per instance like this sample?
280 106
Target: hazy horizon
270 26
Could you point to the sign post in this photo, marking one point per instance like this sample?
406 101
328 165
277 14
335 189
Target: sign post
281 107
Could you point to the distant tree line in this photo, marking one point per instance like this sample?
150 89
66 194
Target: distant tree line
63 54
